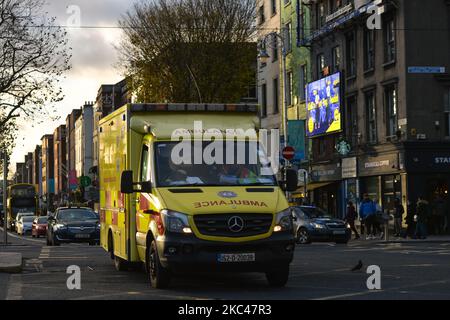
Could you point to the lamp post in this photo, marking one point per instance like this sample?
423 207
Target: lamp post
275 41
264 57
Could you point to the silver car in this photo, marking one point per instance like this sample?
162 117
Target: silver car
316 225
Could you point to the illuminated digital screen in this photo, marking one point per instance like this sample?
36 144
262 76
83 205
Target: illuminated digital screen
323 113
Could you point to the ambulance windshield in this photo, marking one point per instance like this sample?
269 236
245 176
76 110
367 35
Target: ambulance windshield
216 163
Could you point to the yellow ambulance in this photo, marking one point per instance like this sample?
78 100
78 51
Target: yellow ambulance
173 215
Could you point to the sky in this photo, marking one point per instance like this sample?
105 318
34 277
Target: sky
94 60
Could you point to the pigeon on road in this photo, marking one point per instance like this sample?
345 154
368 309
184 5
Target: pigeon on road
358 266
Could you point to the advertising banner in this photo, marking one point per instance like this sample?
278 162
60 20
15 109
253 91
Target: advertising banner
323 107
296 137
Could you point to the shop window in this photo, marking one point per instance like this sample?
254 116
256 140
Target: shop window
392 189
371 186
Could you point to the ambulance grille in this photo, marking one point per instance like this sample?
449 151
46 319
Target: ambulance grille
217 225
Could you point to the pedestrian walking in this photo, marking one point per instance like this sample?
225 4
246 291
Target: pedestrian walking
378 220
409 220
398 217
422 218
367 211
351 217
439 213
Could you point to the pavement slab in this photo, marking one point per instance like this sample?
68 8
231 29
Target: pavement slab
10 262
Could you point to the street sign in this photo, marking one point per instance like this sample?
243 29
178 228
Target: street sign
426 70
288 153
85 181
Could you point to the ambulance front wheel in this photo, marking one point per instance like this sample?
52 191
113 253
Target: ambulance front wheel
159 276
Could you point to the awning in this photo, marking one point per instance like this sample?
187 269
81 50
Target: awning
314 186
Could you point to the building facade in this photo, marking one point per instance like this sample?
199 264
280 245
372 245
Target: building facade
72 182
269 88
395 118
48 177
60 155
84 145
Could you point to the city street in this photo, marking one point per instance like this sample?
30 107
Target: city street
319 271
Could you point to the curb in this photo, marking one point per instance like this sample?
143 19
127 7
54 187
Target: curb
10 262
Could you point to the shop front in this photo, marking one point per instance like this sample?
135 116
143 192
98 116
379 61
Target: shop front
383 178
429 174
325 188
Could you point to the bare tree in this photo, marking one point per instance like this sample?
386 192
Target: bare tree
189 50
33 57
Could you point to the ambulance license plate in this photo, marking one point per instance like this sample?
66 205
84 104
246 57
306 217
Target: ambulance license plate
236 257
337 233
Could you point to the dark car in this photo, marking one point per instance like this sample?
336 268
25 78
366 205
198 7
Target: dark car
316 225
73 225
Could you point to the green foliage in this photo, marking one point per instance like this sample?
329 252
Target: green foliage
190 50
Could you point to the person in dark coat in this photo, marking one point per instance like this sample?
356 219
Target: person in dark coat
409 220
422 218
398 217
351 217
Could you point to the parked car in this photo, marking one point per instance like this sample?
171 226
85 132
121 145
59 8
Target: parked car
73 225
316 225
24 225
39 227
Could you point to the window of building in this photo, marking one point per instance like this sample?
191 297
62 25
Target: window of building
371 117
389 41
264 100
274 47
369 49
302 83
351 120
274 6
390 94
336 57
288 36
289 89
320 64
351 54
301 23
262 17
447 113
276 96
320 17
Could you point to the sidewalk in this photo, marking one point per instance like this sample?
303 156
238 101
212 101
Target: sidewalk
430 239
10 262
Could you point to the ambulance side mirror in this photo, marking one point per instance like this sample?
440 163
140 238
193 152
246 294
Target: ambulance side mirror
126 182
291 180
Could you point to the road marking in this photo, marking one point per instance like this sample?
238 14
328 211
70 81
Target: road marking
15 288
45 253
22 238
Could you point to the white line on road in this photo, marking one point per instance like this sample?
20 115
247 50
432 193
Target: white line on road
22 238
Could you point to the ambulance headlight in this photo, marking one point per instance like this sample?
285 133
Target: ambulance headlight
283 221
176 221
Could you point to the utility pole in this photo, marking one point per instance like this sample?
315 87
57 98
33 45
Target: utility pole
4 155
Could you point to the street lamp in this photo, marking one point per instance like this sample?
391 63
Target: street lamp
263 56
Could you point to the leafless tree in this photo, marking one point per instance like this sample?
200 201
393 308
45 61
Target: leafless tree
189 50
33 58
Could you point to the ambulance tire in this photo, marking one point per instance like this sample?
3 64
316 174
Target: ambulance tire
120 264
279 277
158 275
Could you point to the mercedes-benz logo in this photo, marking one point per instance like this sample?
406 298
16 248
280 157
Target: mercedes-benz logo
236 224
